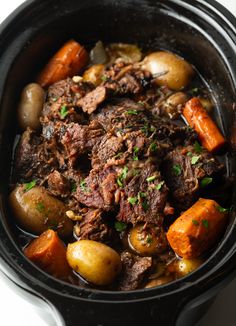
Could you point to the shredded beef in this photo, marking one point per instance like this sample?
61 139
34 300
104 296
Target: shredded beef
91 101
134 270
58 185
183 175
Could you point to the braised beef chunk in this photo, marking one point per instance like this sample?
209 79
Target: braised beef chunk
33 160
91 101
143 198
94 227
80 139
98 189
134 270
58 185
184 168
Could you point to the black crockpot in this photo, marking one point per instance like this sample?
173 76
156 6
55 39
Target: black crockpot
203 32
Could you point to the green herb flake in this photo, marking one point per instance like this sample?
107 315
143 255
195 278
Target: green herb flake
104 78
195 222
40 207
152 178
222 209
64 111
30 185
54 99
73 186
152 128
122 176
83 186
176 169
189 154
149 239
194 90
195 159
145 205
205 223
134 112
145 129
133 200
159 185
141 195
135 152
141 102
153 147
197 147
205 182
120 226
118 155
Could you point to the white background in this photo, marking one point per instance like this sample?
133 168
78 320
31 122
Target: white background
18 312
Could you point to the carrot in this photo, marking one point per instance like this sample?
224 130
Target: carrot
198 118
49 253
67 62
197 229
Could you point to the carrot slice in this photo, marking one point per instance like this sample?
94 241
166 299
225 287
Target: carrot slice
198 118
49 253
67 62
197 229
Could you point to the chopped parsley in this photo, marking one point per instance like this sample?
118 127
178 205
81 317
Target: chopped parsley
135 151
64 111
159 185
141 195
222 209
40 207
176 169
118 155
122 176
152 128
189 154
152 178
104 78
145 205
73 186
54 99
205 182
141 102
153 147
120 226
134 112
195 222
194 90
133 200
197 147
83 186
149 239
30 185
205 223
195 159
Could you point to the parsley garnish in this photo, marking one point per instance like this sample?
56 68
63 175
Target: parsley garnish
73 186
64 111
152 128
30 185
197 147
153 147
205 223
134 112
122 176
135 151
159 185
205 182
194 90
195 159
195 222
118 155
152 178
83 186
145 205
222 209
104 78
176 169
141 195
133 200
189 154
149 239
120 226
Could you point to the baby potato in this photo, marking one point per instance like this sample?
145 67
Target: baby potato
185 266
94 74
159 281
169 69
31 105
147 241
36 211
94 261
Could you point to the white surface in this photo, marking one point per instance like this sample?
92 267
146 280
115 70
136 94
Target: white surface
16 311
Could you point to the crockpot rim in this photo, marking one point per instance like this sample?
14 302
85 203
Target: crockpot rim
173 287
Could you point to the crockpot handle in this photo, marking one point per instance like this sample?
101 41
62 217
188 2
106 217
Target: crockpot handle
155 312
